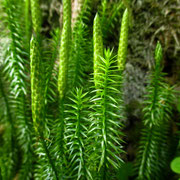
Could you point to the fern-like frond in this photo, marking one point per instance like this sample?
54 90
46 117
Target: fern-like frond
8 147
82 43
16 55
24 136
153 116
49 58
51 130
152 156
15 67
76 130
46 168
78 56
106 120
65 48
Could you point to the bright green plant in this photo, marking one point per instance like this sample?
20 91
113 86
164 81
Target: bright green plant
123 40
105 120
45 167
36 15
157 112
76 133
63 114
15 58
98 47
36 86
175 165
77 60
15 71
7 159
65 48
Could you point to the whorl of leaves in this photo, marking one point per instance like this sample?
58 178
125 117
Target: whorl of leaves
15 67
76 134
78 56
8 148
45 167
15 56
106 120
153 151
155 96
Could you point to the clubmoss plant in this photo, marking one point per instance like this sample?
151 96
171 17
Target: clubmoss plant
15 60
59 122
152 156
16 73
8 158
78 56
45 167
77 124
105 120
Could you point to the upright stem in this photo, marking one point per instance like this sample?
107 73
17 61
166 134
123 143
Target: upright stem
65 49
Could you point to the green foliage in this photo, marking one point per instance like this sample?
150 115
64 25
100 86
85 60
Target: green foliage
110 13
157 115
78 56
86 10
76 134
15 68
106 122
15 60
45 166
7 160
56 123
50 55
175 165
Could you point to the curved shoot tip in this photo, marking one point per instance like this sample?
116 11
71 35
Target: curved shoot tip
96 18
